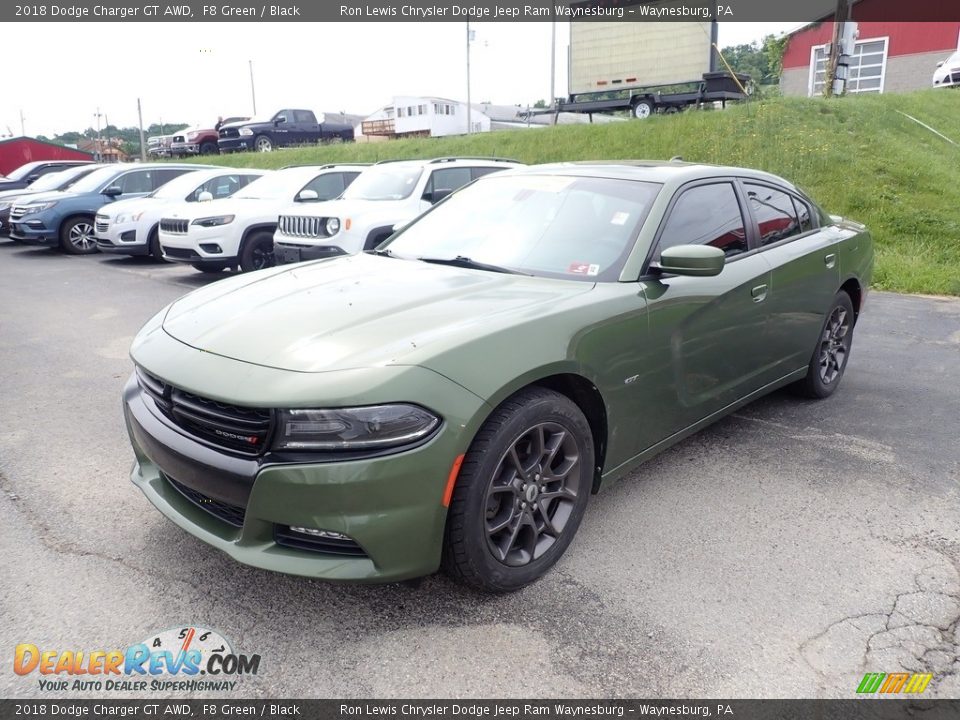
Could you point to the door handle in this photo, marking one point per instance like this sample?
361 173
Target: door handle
830 260
759 293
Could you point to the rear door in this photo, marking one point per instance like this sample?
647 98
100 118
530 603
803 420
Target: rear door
805 268
706 334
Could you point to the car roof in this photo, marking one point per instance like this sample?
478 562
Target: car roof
663 172
473 161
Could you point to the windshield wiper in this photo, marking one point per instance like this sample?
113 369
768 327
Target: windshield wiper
465 262
386 252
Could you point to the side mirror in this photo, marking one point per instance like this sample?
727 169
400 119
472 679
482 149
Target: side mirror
695 260
439 194
205 196
113 191
33 178
397 227
307 196
281 119
940 64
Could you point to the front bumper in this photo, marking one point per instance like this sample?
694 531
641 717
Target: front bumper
286 253
34 230
120 238
200 244
232 144
391 506
185 149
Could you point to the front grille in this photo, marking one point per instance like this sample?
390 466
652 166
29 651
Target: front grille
229 133
283 535
224 511
102 223
176 226
297 226
241 430
17 212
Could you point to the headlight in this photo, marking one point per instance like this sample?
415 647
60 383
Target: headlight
214 221
246 132
332 226
128 217
31 209
376 426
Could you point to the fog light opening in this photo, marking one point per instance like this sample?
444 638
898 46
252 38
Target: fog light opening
211 248
315 532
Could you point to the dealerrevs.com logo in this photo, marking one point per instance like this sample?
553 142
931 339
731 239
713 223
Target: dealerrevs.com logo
187 659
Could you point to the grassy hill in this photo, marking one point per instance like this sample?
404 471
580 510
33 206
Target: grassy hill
857 156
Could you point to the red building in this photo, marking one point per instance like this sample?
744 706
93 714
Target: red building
889 56
19 151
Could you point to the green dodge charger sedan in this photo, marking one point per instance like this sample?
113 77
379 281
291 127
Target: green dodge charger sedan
454 397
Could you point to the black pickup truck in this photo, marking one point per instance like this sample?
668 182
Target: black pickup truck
287 127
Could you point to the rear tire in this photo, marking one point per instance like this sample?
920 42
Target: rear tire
257 252
831 353
521 492
76 237
642 109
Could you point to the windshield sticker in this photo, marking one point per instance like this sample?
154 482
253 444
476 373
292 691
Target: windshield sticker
579 268
593 270
619 218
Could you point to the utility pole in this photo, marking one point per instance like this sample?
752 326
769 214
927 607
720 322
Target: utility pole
143 144
253 92
469 108
106 126
840 18
99 140
23 132
553 59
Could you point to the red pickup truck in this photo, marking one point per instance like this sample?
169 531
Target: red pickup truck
199 141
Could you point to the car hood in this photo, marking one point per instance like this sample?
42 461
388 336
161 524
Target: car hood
47 196
356 208
133 204
357 311
242 207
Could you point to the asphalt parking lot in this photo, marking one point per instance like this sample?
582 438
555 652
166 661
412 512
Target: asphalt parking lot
784 552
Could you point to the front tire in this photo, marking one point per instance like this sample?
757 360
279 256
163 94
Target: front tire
209 148
832 351
521 493
257 252
76 237
153 244
262 143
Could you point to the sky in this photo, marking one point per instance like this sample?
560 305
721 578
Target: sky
194 72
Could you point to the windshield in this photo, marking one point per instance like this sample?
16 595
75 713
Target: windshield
180 187
279 185
576 228
384 182
21 172
95 180
62 179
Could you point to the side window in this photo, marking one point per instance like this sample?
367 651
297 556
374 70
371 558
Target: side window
803 214
447 179
164 175
327 186
479 172
348 178
139 181
220 187
706 215
302 116
775 213
283 116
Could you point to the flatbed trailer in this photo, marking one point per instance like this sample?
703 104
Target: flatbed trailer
643 102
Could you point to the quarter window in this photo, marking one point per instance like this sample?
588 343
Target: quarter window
706 215
775 213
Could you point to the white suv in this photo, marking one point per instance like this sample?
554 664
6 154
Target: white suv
131 227
386 194
239 230
947 73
